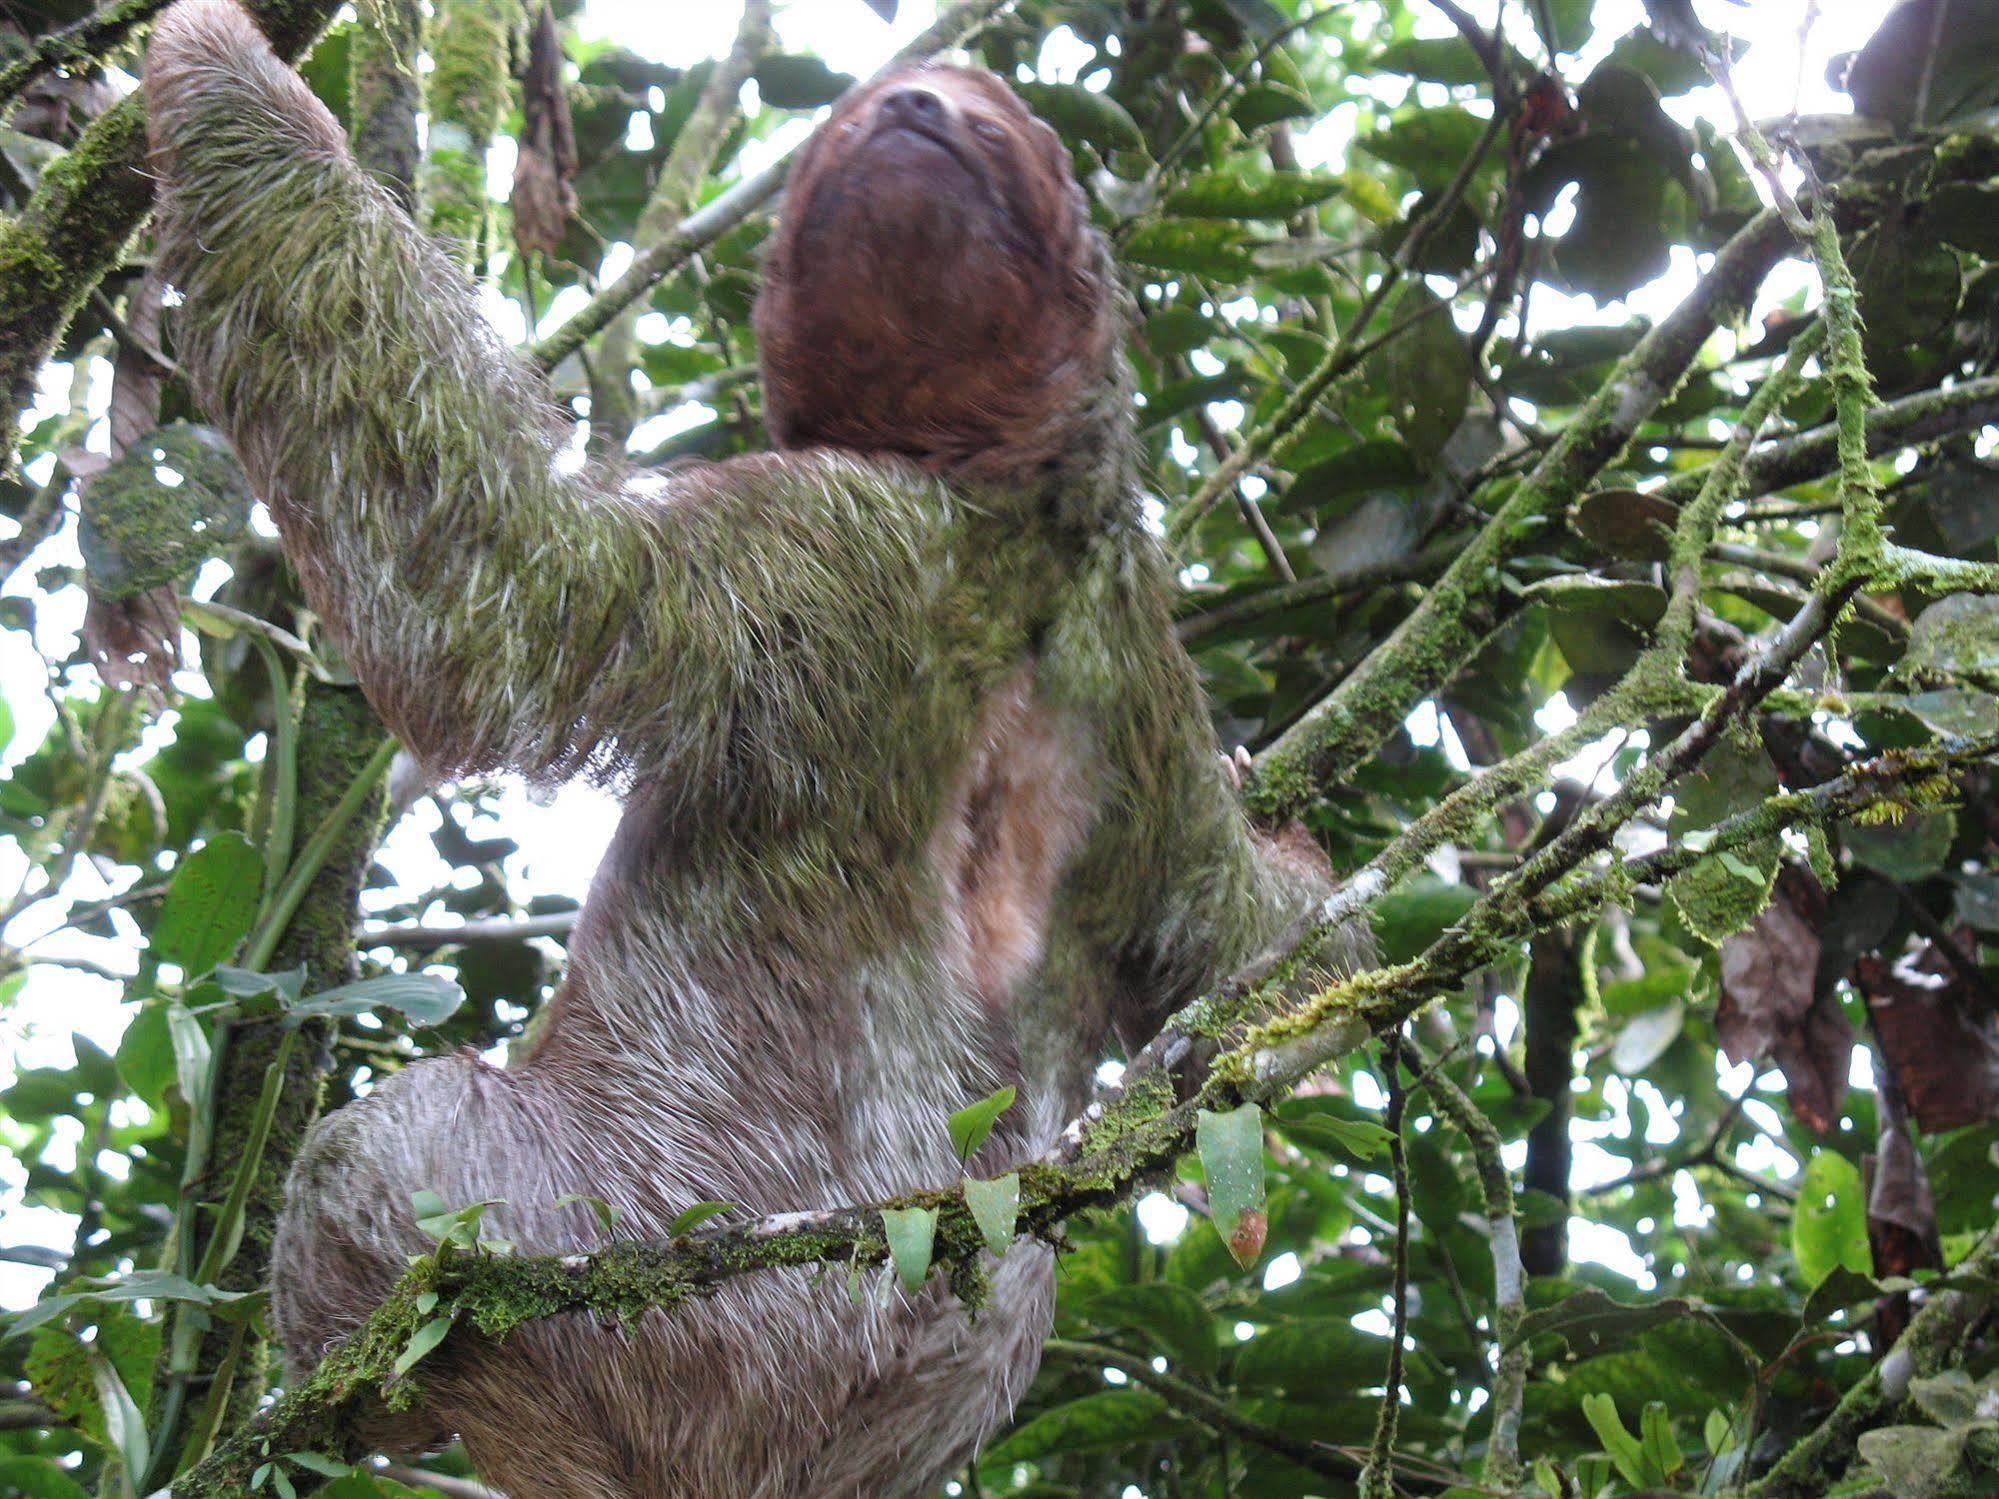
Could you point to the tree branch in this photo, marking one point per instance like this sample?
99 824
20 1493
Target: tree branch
1337 733
83 213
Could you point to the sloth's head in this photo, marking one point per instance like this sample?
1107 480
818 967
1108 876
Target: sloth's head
934 288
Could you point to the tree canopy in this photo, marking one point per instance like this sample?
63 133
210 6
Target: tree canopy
1582 477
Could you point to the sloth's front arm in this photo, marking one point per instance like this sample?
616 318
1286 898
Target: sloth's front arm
503 604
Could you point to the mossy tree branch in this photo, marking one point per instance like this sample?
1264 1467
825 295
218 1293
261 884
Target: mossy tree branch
84 212
613 412
1438 637
81 44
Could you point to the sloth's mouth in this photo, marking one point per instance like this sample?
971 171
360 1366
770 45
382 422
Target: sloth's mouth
936 137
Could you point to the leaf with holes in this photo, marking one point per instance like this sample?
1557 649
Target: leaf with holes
995 1207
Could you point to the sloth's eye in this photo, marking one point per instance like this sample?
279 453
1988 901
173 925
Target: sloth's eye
990 131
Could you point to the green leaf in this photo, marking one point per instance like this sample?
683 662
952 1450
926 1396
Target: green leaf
794 82
1918 1462
693 1217
1354 1137
1204 247
606 1215
1231 1150
1718 898
38 1478
1103 1421
316 1462
1081 114
1427 371
1172 1317
422 1341
1624 1449
193 1057
146 1053
1662 1447
124 1426
176 497
1246 195
1955 712
1913 849
422 998
1646 1037
911 1233
995 1207
140 1285
1591 1320
210 904
1829 1225
1956 634
1264 104
448 1225
970 1126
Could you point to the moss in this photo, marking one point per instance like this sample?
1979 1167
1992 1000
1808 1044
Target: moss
1143 1100
384 94
467 97
337 735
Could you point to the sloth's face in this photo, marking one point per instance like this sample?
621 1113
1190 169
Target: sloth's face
933 166
934 287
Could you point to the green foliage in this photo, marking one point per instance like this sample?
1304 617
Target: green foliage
1732 1266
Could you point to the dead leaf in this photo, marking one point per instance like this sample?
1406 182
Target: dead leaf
1941 1048
1901 1213
1771 1004
135 641
543 199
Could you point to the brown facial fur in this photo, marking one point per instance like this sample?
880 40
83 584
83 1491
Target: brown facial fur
934 289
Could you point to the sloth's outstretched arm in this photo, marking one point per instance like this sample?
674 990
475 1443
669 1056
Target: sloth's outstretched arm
502 604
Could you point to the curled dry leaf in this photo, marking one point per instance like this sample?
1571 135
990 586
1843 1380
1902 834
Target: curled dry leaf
1771 1005
1901 1212
543 198
1941 1047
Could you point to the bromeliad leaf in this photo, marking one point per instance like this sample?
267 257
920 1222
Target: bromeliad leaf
422 998
971 1125
911 1233
1231 1148
995 1207
141 1285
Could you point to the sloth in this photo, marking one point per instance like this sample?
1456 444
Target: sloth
921 798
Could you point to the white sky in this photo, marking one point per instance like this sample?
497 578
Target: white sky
562 842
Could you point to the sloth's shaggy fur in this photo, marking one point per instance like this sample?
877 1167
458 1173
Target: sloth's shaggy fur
921 796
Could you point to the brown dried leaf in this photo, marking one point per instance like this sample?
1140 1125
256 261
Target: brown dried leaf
1941 1048
543 199
137 376
1901 1213
1768 981
1771 1006
1817 1061
1246 1243
135 641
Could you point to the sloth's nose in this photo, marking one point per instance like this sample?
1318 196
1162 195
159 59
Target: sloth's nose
913 106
